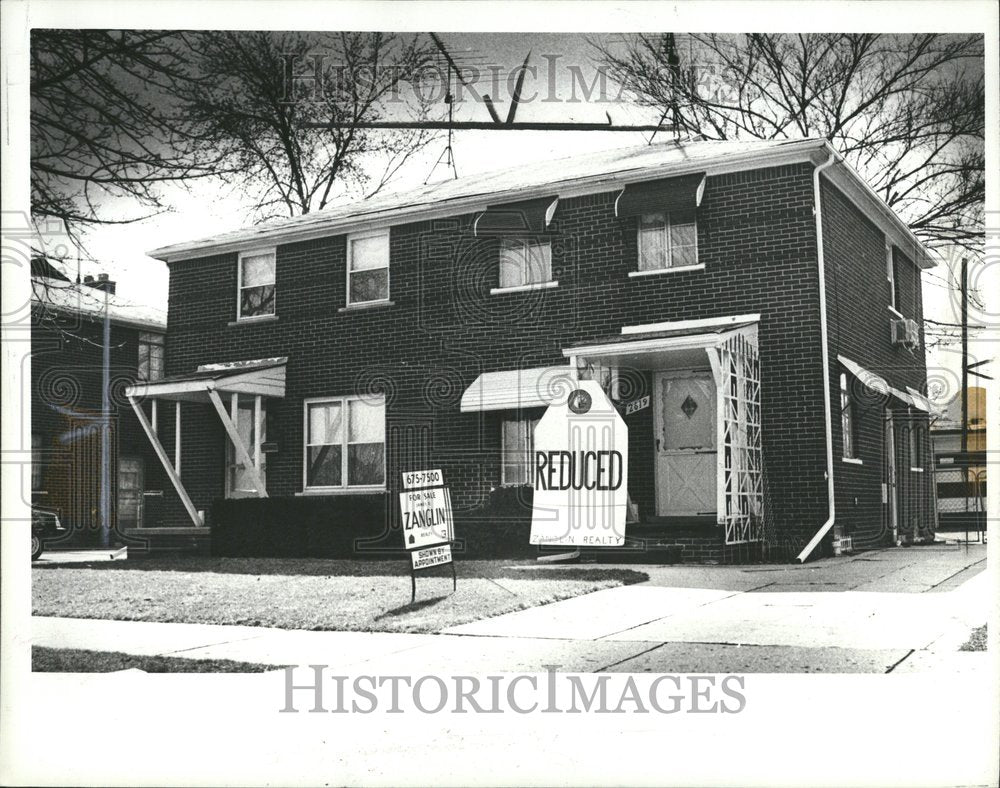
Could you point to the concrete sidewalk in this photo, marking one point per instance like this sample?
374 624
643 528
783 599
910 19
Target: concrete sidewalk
894 610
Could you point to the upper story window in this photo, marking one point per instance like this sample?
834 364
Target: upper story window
256 284
891 274
848 422
668 240
368 267
525 262
345 443
150 366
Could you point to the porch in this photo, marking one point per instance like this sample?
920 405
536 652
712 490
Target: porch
690 394
237 392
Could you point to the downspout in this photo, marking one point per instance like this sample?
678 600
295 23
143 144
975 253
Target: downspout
824 341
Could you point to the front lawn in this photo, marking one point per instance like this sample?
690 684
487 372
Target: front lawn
73 660
308 593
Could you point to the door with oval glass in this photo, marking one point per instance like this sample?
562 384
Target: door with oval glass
684 410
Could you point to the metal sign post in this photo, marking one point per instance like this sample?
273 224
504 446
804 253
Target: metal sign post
427 524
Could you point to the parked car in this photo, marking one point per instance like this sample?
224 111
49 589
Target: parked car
44 525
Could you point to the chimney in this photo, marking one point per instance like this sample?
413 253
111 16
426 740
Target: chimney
102 282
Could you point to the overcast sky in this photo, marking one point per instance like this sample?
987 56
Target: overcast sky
553 92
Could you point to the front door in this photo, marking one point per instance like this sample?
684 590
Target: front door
130 492
685 440
239 480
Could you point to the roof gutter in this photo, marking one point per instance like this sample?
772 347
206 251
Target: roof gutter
824 340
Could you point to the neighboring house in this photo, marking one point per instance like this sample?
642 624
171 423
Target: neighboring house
961 481
325 354
67 439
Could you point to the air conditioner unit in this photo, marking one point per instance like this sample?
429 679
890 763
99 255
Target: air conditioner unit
905 333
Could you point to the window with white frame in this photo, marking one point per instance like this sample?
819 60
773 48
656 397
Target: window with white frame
916 445
848 422
518 440
150 366
368 267
344 443
668 240
893 279
525 261
256 285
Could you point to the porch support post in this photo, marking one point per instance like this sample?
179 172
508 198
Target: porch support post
242 455
177 437
154 414
165 461
715 363
257 414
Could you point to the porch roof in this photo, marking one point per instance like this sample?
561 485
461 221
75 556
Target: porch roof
514 389
264 377
660 338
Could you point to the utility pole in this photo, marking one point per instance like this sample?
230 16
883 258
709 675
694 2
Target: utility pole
105 499
965 376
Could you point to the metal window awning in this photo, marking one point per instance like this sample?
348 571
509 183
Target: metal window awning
526 216
516 389
667 194
880 385
257 379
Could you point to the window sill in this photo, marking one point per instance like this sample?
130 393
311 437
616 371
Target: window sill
246 321
896 312
340 491
366 305
675 270
524 288
851 460
916 470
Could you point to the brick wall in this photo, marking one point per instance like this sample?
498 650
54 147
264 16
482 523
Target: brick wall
756 237
858 296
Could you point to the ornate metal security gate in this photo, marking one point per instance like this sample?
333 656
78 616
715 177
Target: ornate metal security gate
740 462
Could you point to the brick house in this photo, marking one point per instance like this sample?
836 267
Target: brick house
67 346
781 347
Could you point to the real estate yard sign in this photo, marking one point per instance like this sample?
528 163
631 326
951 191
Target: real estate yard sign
580 471
427 523
426 517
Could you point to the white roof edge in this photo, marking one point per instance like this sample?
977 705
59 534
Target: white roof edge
790 152
809 149
153 326
679 325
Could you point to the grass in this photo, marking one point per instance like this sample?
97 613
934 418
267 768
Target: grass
976 641
307 593
73 660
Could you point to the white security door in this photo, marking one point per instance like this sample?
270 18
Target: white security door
239 480
685 425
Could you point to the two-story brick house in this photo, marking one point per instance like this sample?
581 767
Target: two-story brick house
757 292
73 459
